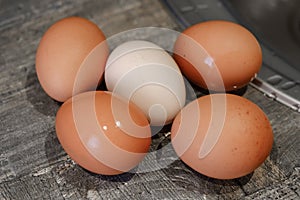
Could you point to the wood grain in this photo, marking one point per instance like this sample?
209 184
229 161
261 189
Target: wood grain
33 165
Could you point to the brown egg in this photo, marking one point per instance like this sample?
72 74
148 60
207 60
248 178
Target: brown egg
218 55
103 133
71 58
222 136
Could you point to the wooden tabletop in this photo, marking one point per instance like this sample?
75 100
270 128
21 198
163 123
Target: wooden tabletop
33 164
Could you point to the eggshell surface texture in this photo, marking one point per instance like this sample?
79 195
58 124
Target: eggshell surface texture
244 142
71 58
104 134
147 75
210 49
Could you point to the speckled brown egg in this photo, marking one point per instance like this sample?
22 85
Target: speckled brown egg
222 136
71 58
103 133
218 55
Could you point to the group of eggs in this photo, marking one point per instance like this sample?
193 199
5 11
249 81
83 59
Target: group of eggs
220 135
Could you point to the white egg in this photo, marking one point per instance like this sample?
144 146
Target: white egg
146 74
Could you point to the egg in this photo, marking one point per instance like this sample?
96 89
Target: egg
218 55
71 57
147 75
222 136
103 133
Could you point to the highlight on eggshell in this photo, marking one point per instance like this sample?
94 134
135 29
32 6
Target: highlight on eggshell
224 45
147 75
69 45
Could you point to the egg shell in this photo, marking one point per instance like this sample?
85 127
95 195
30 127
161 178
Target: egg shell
103 133
213 49
222 143
147 75
71 57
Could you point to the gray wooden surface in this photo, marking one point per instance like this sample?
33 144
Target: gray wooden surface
33 165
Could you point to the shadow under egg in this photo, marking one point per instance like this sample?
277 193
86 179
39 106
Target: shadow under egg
179 172
38 98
